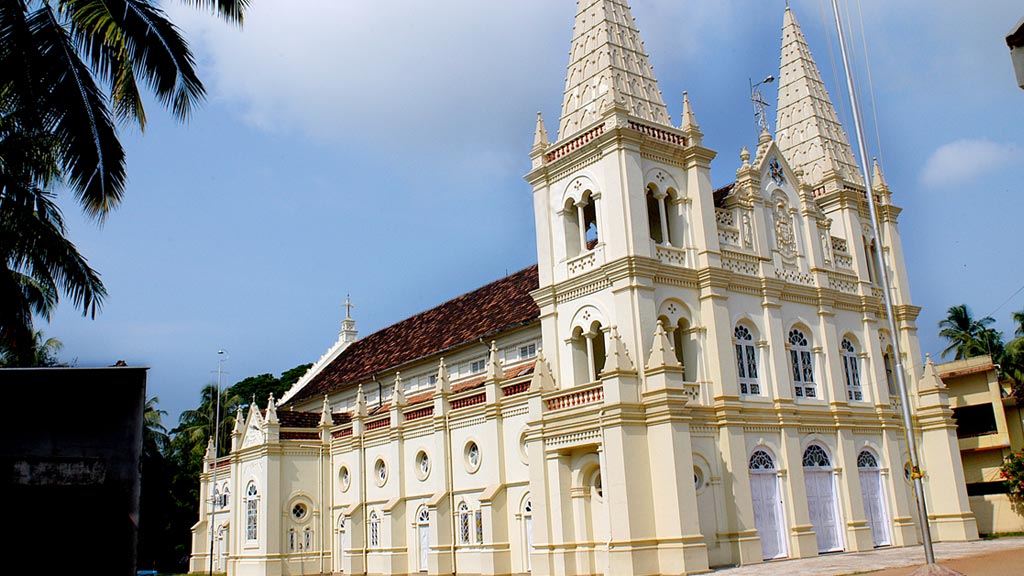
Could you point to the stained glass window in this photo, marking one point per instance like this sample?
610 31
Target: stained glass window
252 501
866 460
816 457
746 361
761 460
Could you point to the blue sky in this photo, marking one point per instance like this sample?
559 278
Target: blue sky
378 148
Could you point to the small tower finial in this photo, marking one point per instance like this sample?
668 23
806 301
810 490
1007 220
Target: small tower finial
540 133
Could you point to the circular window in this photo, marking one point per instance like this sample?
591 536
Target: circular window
422 465
472 457
522 448
344 479
698 478
908 471
381 469
299 511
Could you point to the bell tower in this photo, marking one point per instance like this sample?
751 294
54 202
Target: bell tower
619 194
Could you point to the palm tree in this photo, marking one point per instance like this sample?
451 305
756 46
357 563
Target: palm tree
967 337
37 264
194 425
69 68
1018 319
154 434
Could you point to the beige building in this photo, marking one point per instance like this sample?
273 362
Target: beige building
989 422
687 378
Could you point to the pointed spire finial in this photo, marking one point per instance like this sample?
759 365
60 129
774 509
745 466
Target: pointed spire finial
494 368
618 357
271 409
662 353
689 122
209 450
745 157
326 419
878 178
348 331
542 379
398 396
239 421
444 384
540 133
360 401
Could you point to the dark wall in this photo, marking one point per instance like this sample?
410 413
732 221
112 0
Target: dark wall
69 468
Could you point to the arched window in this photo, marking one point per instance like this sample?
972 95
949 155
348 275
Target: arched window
463 523
816 457
424 516
851 368
866 460
307 538
746 360
681 343
580 222
374 530
761 460
225 494
890 376
588 353
871 255
803 367
657 215
252 502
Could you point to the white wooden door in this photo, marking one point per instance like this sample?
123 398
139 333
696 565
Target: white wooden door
764 488
424 530
342 544
528 525
821 504
874 506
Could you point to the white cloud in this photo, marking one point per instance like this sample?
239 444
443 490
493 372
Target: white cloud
961 161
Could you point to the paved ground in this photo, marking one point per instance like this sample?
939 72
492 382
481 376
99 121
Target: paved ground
1000 557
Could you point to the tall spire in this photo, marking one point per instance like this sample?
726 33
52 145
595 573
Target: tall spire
807 129
608 66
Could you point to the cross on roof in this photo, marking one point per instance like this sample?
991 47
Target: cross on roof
348 307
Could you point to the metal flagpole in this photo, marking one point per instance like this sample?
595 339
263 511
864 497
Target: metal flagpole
908 424
216 450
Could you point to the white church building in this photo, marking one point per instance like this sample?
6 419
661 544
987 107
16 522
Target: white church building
688 378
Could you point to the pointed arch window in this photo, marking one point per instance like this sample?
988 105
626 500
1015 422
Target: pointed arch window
851 369
866 460
252 510
816 457
890 376
801 362
374 530
746 361
463 523
761 460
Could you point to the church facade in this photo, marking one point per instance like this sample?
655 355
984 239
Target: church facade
688 378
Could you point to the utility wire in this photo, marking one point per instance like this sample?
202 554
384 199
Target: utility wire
871 85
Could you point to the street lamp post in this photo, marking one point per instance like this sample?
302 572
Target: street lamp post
216 450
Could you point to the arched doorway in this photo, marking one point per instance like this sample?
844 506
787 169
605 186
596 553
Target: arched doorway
528 533
342 543
768 519
423 537
222 548
872 494
821 498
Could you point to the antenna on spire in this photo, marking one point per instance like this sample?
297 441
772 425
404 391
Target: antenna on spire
760 104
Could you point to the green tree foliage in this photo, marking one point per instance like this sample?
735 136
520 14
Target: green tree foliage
968 337
42 353
69 70
1012 473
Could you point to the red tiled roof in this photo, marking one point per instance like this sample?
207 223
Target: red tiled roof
720 194
494 308
295 419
